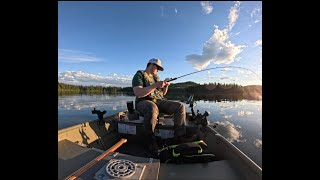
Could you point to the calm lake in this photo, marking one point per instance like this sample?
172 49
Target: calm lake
240 120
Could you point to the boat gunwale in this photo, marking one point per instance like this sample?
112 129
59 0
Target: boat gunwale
238 152
66 129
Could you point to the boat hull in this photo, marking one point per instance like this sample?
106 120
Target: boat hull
80 144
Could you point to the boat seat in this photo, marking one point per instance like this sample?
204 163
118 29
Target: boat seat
163 118
160 118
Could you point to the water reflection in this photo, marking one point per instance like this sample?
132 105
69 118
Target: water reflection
240 121
81 102
213 97
230 131
227 116
244 113
258 143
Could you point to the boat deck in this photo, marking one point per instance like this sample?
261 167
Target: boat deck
80 144
71 157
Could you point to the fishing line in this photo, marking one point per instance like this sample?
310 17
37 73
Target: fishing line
172 79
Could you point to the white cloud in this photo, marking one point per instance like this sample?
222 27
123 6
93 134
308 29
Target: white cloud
256 21
233 15
231 79
225 69
258 42
206 7
244 72
87 79
175 10
238 58
222 78
255 12
74 56
218 49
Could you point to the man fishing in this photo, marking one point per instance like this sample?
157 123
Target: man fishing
149 91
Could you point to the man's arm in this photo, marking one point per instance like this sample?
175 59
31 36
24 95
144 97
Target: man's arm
137 84
140 91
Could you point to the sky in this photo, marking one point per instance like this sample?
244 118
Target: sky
105 43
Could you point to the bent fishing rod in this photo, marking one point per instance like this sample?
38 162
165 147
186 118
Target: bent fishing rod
172 79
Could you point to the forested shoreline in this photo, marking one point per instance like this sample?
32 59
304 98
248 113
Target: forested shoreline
175 88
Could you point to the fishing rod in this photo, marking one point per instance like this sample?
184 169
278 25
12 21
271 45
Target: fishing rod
172 79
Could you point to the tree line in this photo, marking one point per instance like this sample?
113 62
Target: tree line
89 89
185 87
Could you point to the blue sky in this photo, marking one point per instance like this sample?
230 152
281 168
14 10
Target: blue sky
104 43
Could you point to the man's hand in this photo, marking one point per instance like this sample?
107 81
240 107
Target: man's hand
166 83
160 84
165 87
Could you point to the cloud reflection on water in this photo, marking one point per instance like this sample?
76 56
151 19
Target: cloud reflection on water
230 131
258 143
244 113
76 103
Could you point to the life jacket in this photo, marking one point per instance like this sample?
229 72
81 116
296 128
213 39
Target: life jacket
147 81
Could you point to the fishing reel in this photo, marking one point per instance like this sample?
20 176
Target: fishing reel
170 79
99 113
201 119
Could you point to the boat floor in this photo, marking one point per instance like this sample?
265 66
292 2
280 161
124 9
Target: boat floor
72 156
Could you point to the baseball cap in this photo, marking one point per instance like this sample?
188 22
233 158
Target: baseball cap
157 62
